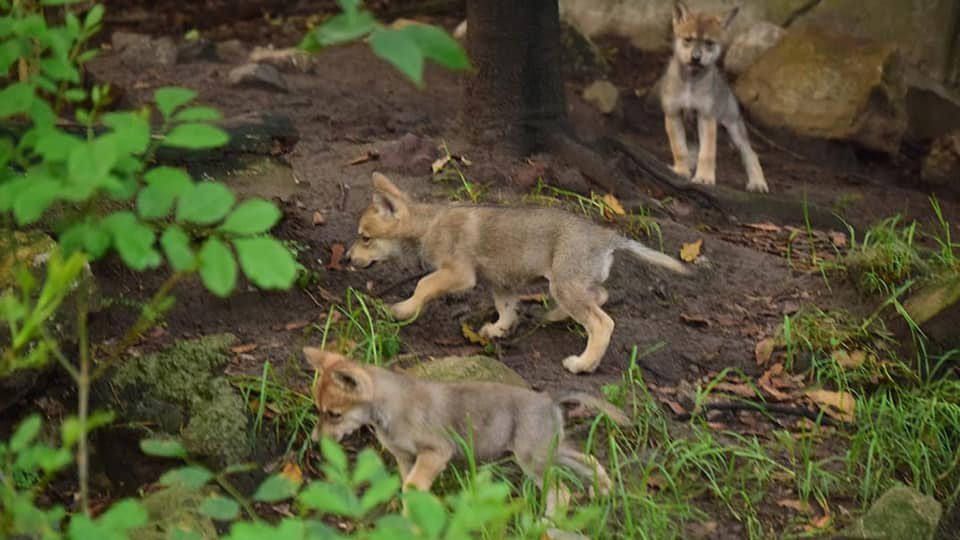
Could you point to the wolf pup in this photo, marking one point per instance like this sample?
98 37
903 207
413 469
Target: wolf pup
419 421
694 83
510 248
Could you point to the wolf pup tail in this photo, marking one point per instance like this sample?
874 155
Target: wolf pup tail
587 400
652 256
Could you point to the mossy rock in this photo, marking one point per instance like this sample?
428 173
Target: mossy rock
832 87
901 513
181 391
467 369
175 508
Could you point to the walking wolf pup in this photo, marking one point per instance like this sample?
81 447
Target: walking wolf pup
510 248
418 421
694 82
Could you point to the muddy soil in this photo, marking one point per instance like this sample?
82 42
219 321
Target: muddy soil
350 103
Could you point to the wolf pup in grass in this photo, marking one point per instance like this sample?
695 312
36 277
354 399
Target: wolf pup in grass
510 248
420 422
694 83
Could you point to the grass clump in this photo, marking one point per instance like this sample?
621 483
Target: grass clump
362 328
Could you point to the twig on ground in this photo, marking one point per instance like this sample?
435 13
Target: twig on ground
764 408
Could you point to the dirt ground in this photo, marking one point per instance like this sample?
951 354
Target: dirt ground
351 103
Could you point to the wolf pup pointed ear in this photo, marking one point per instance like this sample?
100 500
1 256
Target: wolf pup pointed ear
387 197
321 359
680 12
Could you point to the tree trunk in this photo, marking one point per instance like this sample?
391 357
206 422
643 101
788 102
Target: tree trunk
515 94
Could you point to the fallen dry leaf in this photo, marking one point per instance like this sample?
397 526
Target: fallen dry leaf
296 325
839 405
695 320
369 156
849 360
764 350
768 227
292 472
439 164
767 385
318 218
336 256
674 406
838 238
472 336
612 205
817 524
657 481
245 348
690 252
798 506
739 389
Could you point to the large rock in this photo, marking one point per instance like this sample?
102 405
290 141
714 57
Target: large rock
181 392
942 164
926 30
176 508
899 514
465 369
805 86
750 45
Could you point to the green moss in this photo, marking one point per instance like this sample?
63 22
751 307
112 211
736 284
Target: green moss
179 390
172 509
467 368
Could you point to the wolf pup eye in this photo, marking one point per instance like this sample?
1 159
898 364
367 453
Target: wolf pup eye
334 416
688 41
710 43
365 239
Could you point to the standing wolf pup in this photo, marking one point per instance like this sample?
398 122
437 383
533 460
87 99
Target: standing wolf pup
694 83
417 421
510 248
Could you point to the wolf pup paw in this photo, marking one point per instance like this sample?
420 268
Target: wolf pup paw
704 180
758 187
403 310
492 331
575 364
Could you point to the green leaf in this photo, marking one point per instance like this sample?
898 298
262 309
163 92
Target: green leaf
198 114
206 203
133 240
168 448
275 489
266 261
220 508
70 431
190 476
131 131
426 512
26 432
88 236
170 98
340 29
34 199
334 454
183 534
335 499
60 69
218 270
156 200
379 492
399 49
176 245
436 44
367 467
93 18
194 136
124 515
253 216
15 99
167 175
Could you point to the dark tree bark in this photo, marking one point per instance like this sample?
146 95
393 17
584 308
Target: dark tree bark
515 95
